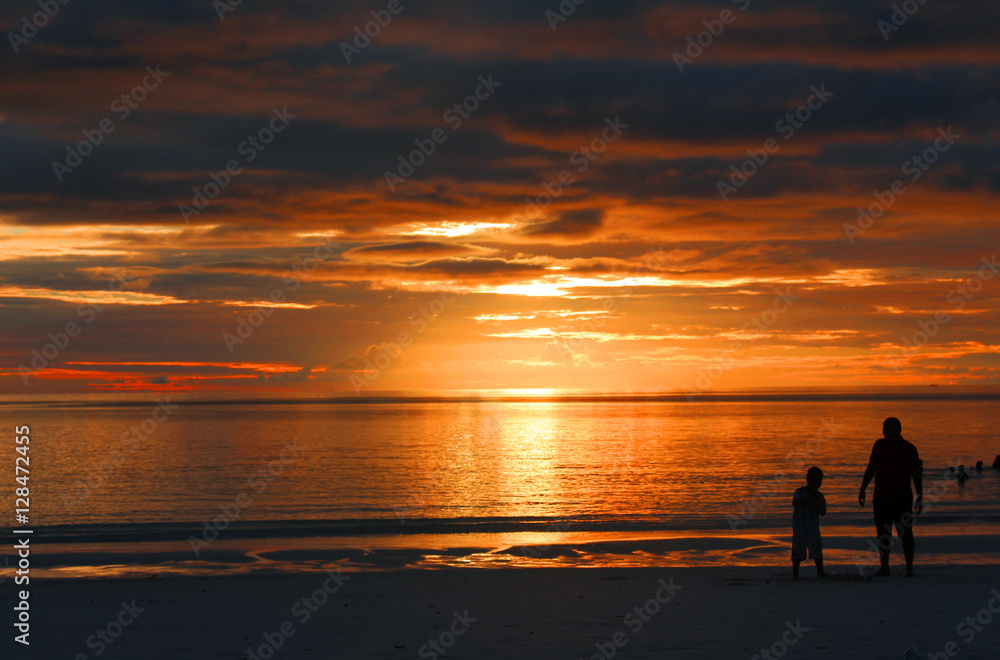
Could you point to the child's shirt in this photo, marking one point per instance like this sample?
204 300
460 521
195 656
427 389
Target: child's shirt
805 518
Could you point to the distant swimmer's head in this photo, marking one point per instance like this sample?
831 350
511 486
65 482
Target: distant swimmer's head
814 477
891 428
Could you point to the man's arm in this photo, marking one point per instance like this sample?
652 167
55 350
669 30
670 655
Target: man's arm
869 475
918 483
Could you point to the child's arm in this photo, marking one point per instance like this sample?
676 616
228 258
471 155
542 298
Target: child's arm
820 504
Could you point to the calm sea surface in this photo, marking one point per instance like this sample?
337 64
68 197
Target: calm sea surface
310 480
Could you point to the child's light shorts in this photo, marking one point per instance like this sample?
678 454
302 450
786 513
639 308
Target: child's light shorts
811 542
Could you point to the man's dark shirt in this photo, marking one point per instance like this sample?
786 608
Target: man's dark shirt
894 464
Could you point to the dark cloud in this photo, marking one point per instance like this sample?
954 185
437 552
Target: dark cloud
576 224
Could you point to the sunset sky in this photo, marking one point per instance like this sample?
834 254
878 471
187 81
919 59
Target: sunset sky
335 256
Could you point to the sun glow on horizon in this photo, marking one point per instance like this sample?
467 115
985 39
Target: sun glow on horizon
451 229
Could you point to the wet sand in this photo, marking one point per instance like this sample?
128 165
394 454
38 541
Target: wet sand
717 612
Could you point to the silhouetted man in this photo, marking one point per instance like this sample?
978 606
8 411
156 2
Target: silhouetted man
893 462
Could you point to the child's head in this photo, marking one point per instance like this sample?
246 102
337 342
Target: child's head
814 477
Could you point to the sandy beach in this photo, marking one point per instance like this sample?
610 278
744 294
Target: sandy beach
723 612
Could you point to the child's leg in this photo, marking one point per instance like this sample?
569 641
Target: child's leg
816 552
799 552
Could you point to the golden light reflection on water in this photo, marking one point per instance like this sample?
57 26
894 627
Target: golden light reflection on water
674 464
527 458
529 482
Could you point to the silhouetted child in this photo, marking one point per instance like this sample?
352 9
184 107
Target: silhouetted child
808 504
961 475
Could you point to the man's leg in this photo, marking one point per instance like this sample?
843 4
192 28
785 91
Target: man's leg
883 530
906 534
909 547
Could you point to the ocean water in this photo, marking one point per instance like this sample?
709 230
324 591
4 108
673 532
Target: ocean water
137 487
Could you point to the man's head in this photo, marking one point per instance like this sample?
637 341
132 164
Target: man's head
814 478
891 428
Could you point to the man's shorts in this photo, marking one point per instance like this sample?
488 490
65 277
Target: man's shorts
811 542
893 512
